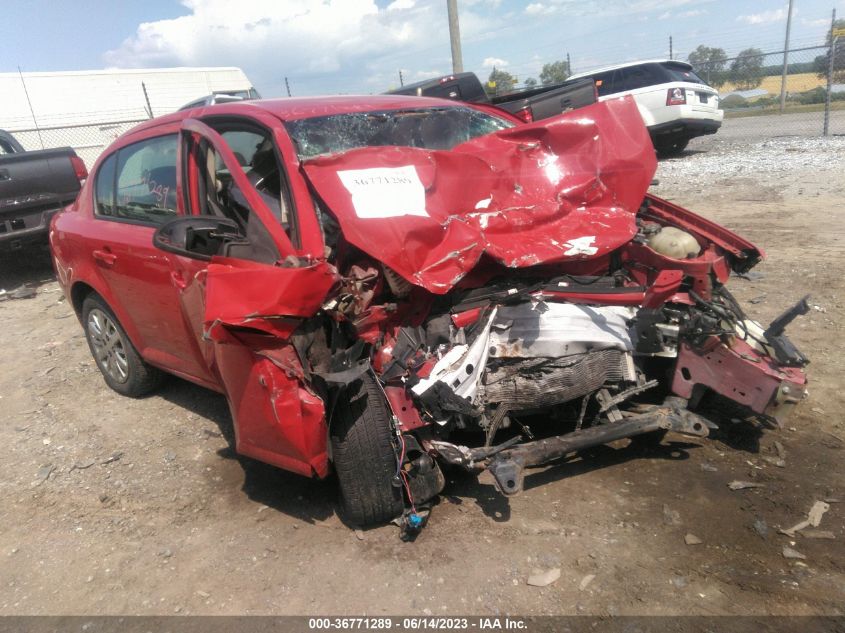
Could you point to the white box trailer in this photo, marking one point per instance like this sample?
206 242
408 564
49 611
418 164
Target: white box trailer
87 110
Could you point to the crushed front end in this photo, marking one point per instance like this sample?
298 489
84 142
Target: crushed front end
535 301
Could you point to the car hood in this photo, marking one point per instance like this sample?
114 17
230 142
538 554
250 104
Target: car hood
560 189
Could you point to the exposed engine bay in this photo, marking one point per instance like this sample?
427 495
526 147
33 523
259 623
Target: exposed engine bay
511 301
526 370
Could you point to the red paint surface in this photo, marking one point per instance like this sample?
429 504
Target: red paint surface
583 174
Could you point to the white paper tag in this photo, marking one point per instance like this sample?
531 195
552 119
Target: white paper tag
385 192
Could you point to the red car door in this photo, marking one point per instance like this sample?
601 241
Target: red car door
136 191
243 305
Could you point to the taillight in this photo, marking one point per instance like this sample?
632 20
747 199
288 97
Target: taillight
525 114
676 96
79 168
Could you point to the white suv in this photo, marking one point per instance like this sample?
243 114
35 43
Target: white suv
675 103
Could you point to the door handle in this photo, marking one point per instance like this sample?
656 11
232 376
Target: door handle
178 280
104 257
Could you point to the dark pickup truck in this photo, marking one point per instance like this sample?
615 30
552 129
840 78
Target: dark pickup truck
33 187
529 105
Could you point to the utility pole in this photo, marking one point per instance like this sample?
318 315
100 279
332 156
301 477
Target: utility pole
401 79
670 46
785 58
833 38
568 65
287 86
455 36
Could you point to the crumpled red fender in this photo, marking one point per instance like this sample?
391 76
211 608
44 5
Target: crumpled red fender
560 189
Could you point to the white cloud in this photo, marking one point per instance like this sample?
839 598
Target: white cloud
322 45
490 62
765 17
538 8
665 16
818 22
692 13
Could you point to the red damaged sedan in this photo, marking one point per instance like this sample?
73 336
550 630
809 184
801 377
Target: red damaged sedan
381 286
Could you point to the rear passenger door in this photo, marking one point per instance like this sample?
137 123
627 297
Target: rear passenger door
136 192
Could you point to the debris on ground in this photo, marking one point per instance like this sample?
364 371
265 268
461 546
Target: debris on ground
761 528
540 578
113 457
824 534
671 517
586 580
814 518
736 484
82 465
43 474
23 292
359 534
692 539
788 552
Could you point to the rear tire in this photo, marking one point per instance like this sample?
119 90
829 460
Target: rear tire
666 148
363 454
117 359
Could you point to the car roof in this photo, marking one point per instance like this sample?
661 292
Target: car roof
629 64
296 108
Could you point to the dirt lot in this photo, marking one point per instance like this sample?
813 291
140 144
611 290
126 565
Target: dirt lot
117 506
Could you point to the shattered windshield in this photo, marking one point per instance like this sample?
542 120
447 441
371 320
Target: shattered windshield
427 128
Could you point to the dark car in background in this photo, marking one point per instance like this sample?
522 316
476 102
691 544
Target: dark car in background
33 187
528 105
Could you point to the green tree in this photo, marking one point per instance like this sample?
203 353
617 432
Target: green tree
530 82
499 82
747 69
710 64
821 63
554 73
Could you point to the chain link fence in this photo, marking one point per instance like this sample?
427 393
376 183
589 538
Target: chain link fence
88 140
760 100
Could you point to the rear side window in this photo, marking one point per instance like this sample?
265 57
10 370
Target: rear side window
138 183
105 187
604 84
678 72
635 77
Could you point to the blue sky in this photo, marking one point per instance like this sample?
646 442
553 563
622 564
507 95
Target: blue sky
359 46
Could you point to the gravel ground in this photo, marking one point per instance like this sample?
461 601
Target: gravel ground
117 506
708 159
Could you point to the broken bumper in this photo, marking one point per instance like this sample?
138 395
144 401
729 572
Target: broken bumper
507 461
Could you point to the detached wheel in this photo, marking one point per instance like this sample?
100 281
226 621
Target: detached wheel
119 362
363 454
667 148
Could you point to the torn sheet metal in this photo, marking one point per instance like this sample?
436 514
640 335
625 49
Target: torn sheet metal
262 297
557 190
461 367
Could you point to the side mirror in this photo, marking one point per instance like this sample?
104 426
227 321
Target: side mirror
197 237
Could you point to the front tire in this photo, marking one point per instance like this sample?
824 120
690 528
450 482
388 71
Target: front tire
363 454
117 359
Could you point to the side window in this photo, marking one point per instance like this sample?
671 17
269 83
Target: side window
144 188
604 83
105 187
640 77
220 196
